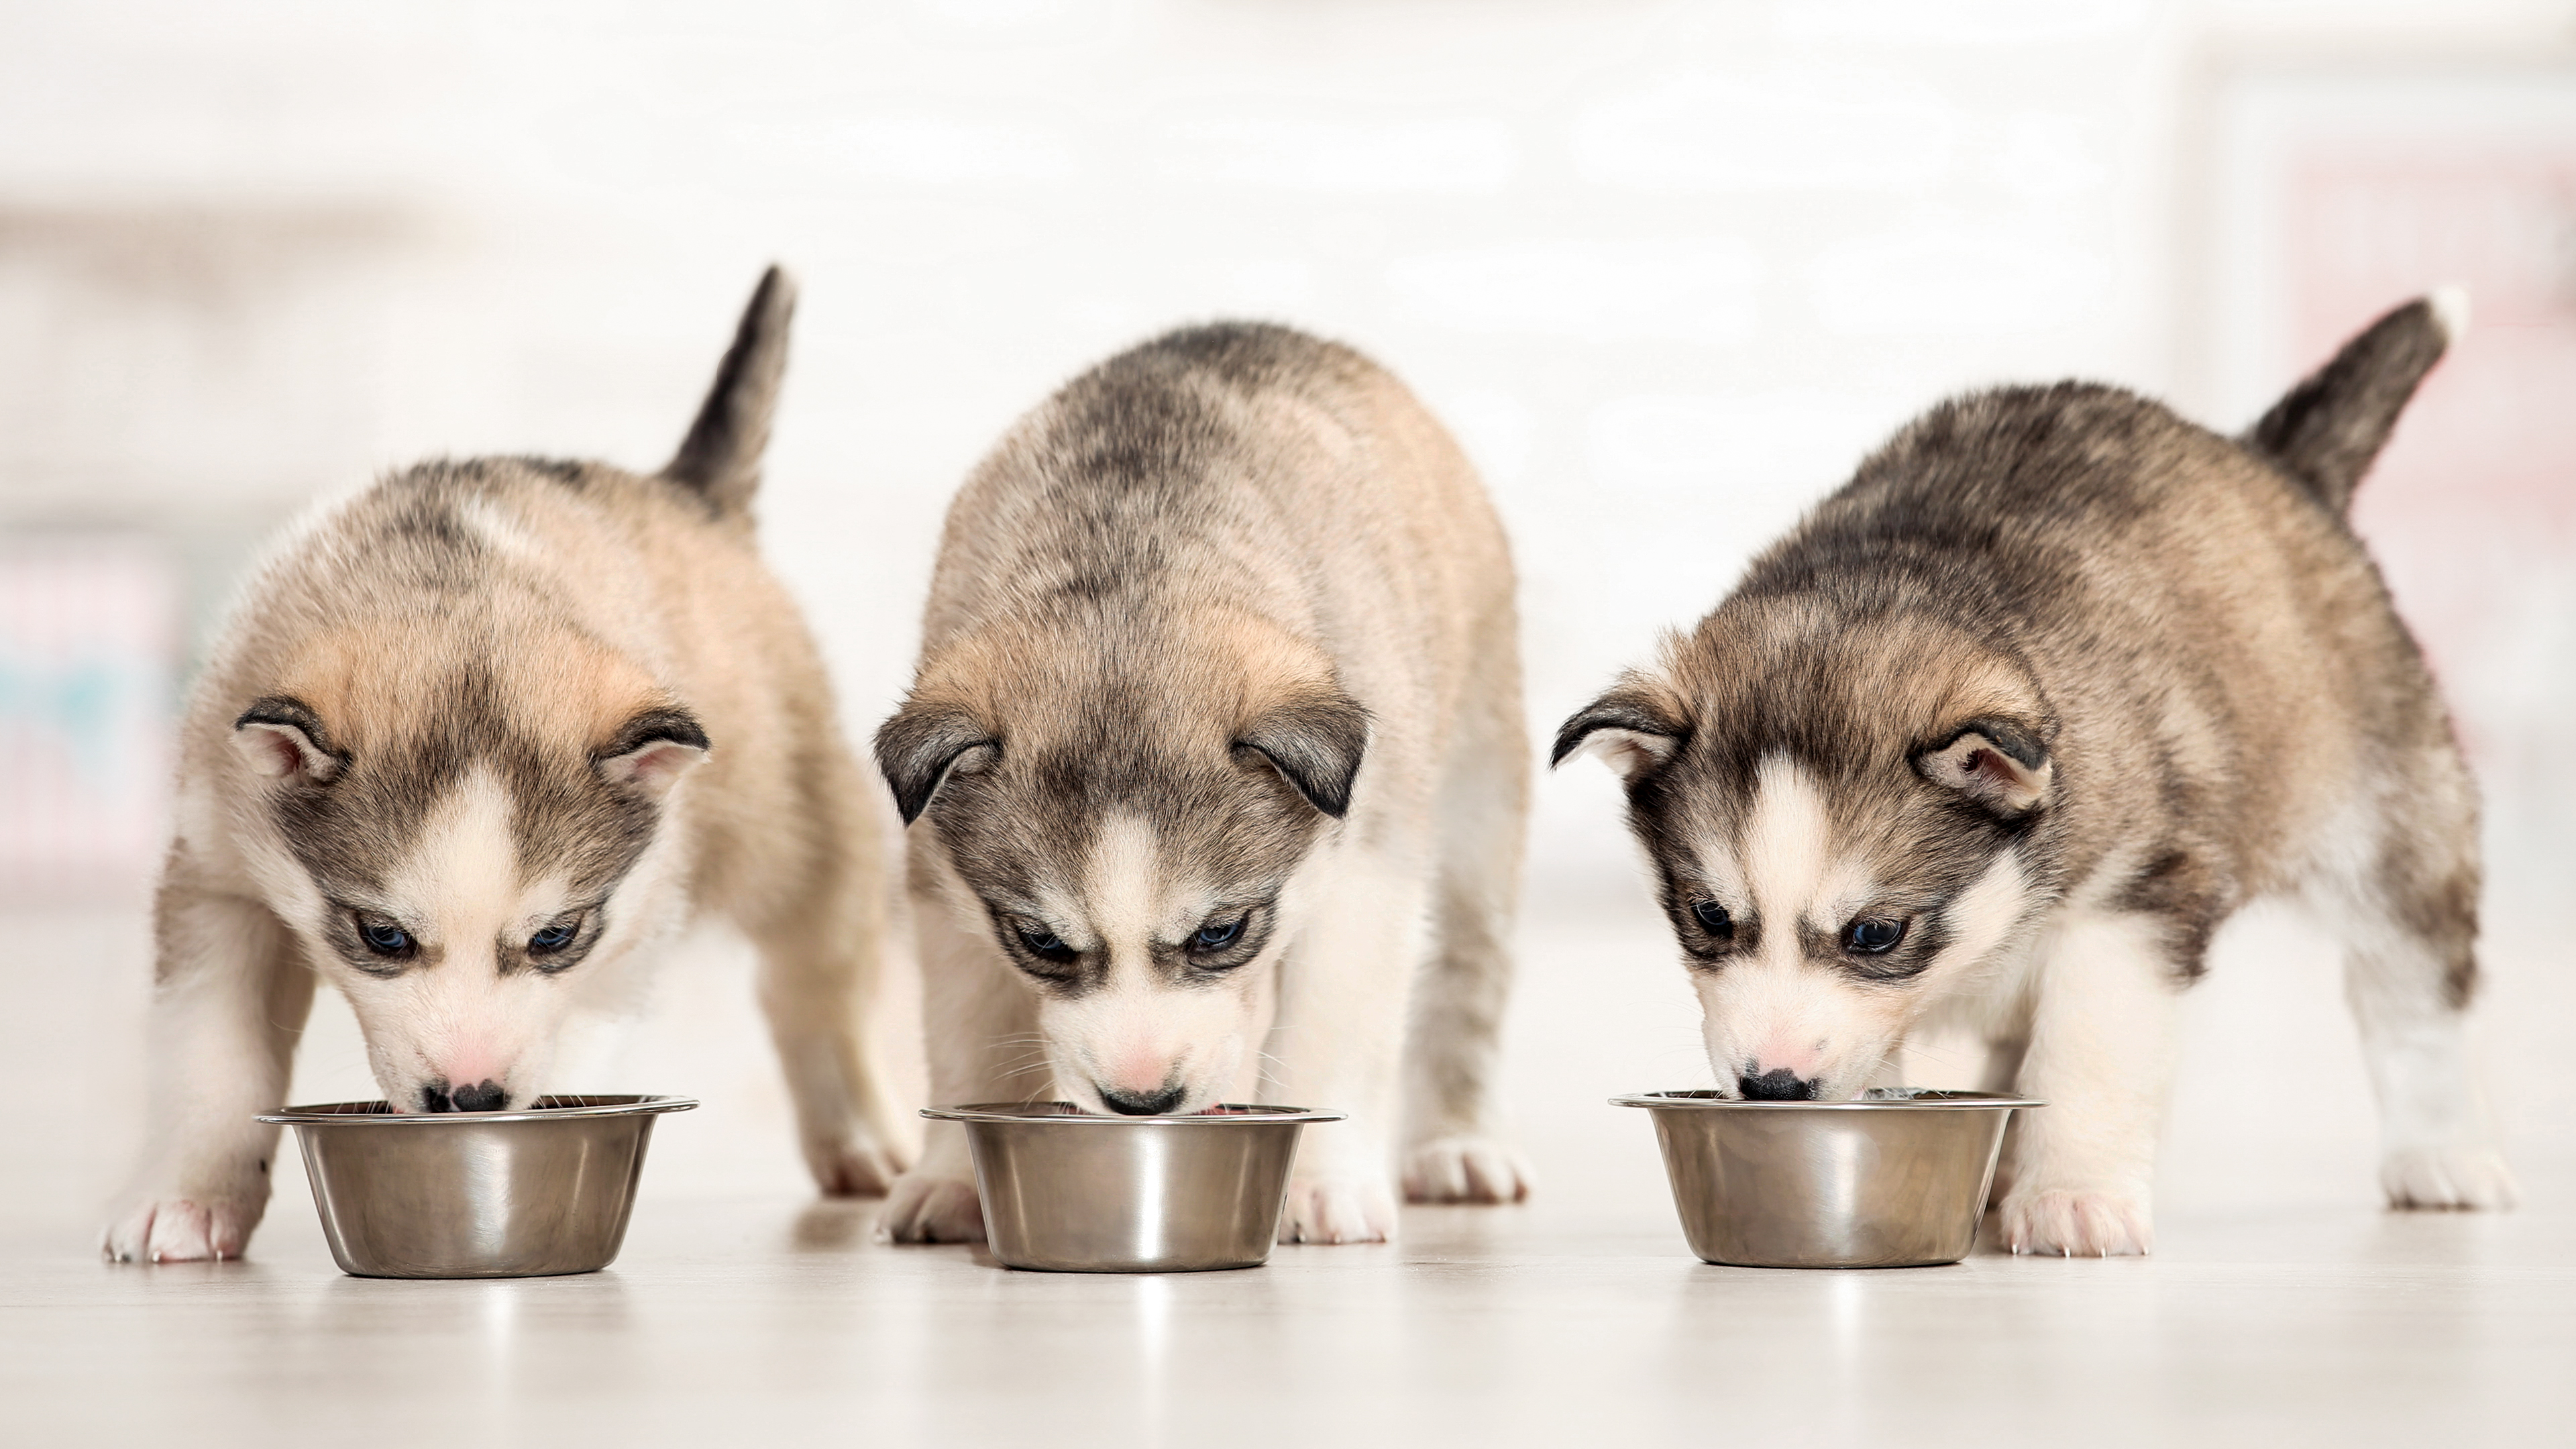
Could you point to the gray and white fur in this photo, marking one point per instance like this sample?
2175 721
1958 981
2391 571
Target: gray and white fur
1215 774
2003 731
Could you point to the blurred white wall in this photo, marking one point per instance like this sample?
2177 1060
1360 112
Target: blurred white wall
1668 268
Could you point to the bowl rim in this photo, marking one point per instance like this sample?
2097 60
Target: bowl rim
381 1113
1916 1099
1236 1113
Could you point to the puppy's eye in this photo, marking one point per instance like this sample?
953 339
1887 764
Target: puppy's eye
384 937
1217 935
554 937
1045 944
1872 936
1713 919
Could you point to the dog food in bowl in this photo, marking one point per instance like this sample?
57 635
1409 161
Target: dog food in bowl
476 1194
1895 1179
1070 1191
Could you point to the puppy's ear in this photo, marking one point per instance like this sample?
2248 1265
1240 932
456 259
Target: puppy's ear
650 752
922 746
2001 764
283 739
1633 728
1315 742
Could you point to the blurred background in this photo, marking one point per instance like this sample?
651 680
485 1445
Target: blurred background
1668 268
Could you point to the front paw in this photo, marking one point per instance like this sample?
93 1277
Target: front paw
2448 1177
852 1167
174 1229
1338 1210
2076 1223
925 1208
1465 1169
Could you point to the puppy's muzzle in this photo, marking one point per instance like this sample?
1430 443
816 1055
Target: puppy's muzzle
1777 1085
483 1096
1137 1104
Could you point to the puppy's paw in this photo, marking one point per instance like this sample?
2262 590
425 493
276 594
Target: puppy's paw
1465 1169
2448 1177
2073 1223
180 1230
923 1208
1338 1210
856 1167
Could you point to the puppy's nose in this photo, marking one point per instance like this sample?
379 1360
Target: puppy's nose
1777 1085
1136 1104
483 1096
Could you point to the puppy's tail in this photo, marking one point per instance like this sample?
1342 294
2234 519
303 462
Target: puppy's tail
720 458
2330 427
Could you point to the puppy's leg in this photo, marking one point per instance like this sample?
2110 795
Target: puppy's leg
229 1005
1453 1150
2101 1053
2410 965
983 1047
818 976
1342 1017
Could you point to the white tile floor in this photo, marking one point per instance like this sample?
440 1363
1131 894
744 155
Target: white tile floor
770 1321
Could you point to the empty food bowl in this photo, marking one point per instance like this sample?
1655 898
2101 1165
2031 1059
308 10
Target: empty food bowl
1070 1191
1895 1179
476 1194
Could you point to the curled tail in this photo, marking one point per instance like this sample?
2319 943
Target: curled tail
720 458
2327 430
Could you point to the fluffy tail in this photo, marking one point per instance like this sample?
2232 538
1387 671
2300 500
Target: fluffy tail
720 458
2330 427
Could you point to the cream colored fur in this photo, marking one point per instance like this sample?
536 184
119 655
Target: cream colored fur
570 600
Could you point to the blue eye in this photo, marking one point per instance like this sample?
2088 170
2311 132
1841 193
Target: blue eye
1217 935
1713 919
553 938
384 937
1873 937
1045 945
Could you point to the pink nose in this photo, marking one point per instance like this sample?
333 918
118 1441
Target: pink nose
1140 1073
1799 1059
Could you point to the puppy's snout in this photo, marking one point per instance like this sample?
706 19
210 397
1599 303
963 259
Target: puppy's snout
1777 1085
483 1096
1141 1104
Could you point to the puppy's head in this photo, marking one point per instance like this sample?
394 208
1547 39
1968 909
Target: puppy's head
1838 813
463 839
1127 815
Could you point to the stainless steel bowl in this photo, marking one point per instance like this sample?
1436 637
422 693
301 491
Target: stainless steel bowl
476 1194
1072 1192
1896 1179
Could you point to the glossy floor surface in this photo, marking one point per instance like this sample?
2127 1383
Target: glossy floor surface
734 1322
2281 1307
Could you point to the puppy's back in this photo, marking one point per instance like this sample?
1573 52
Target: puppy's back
1231 459
2208 627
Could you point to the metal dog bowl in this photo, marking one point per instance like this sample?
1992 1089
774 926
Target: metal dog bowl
476 1194
1072 1192
1896 1179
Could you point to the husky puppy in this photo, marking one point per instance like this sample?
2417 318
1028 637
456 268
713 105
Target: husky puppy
1214 761
2006 728
471 740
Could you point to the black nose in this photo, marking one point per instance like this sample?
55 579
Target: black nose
1777 1085
1131 1105
484 1096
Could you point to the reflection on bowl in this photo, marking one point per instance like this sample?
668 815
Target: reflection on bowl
1070 1191
1895 1179
476 1194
